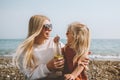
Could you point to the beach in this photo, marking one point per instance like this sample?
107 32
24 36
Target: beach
98 69
103 69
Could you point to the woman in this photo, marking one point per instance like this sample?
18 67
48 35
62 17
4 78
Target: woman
35 56
75 51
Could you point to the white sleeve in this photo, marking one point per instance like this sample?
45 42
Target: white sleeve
62 45
39 72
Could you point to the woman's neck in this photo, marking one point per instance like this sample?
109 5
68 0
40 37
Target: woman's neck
40 41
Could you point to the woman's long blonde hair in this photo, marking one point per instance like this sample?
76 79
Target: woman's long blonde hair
26 48
81 39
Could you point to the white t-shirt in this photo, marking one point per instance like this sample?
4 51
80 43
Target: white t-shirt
44 53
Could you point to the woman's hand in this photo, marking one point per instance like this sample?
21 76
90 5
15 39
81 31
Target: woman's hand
56 39
84 60
55 64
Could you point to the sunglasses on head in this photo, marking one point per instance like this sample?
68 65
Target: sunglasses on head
49 26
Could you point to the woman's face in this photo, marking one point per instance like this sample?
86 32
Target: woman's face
47 28
69 36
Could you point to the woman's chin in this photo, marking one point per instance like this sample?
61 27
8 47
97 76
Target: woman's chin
47 37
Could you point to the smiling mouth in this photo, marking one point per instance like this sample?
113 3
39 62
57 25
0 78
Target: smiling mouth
47 34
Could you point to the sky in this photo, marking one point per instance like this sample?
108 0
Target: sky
101 16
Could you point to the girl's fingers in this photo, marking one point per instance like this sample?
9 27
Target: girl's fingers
67 77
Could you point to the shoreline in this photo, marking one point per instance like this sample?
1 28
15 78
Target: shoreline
99 69
114 58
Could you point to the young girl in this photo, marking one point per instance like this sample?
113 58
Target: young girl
76 49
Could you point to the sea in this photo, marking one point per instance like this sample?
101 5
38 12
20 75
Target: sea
100 48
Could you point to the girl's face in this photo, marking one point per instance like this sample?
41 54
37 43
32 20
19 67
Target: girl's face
69 36
47 28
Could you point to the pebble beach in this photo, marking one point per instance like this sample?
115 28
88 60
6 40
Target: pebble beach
98 70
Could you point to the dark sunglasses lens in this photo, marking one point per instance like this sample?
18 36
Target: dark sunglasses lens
48 26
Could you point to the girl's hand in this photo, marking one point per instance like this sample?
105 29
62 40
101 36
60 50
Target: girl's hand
69 77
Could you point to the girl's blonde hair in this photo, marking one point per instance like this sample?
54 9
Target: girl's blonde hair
26 48
81 39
